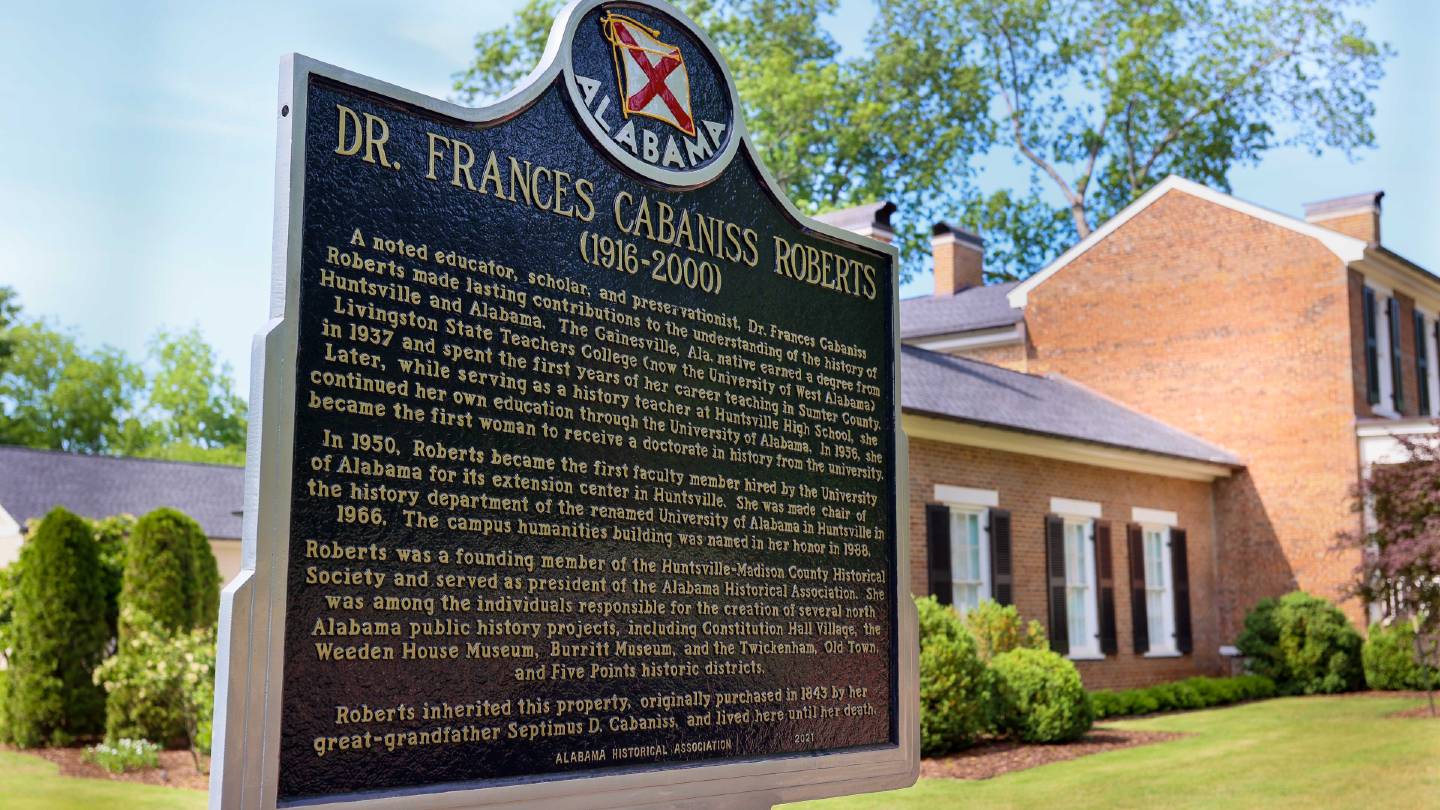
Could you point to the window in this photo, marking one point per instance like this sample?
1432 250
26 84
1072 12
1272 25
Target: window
969 557
1080 606
1159 589
1382 365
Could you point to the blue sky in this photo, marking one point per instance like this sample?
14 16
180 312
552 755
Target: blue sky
136 188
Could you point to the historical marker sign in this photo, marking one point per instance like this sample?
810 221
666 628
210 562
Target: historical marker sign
576 470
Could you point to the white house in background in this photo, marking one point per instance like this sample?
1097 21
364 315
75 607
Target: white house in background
32 482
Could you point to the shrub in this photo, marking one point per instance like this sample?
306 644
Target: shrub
111 536
160 683
1039 697
1389 659
124 755
998 628
170 573
1321 649
59 635
1192 693
953 684
1259 642
1304 644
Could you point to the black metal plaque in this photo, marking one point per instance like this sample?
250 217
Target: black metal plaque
594 458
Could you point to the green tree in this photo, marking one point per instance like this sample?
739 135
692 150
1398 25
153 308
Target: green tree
900 122
161 579
55 395
112 534
195 413
59 635
1099 98
1104 98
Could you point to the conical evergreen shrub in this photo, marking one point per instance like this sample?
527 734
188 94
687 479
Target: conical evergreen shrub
163 578
171 585
59 636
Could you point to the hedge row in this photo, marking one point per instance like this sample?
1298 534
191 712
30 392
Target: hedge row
1192 693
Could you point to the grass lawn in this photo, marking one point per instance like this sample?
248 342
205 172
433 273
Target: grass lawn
1292 752
30 783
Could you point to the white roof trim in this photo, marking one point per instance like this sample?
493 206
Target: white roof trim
1347 248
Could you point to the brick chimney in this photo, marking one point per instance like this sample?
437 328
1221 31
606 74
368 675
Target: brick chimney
959 259
870 219
1357 215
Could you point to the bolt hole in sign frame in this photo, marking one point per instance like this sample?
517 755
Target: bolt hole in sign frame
575 476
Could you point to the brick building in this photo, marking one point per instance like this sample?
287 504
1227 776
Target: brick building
1163 425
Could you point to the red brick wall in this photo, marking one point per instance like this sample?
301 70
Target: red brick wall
1025 485
1238 331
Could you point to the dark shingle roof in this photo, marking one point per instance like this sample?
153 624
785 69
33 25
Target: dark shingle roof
970 391
972 308
32 482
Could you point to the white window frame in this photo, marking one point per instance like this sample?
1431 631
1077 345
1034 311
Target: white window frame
1162 644
1088 648
964 502
959 517
1381 316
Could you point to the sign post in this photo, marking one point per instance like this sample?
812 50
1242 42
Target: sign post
575 473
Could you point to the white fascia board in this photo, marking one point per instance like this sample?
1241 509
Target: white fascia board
1073 508
966 434
966 496
1388 277
1154 517
1347 248
1004 336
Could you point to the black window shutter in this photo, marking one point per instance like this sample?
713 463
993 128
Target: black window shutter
1422 366
1106 580
1372 357
1139 615
1397 377
1055 570
937 537
1002 563
1180 573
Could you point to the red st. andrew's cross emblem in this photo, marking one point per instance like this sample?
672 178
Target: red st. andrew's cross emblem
659 89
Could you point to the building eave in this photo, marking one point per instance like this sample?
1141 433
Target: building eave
1010 335
953 431
1346 248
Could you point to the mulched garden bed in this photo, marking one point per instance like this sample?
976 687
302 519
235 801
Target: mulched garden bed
990 759
177 768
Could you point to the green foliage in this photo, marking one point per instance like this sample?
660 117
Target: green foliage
1192 693
1100 99
160 683
998 628
1390 660
112 534
124 755
59 635
899 122
1039 697
1259 642
170 573
1302 643
57 395
200 418
953 683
